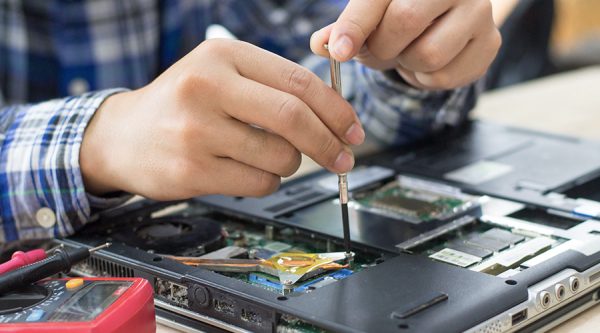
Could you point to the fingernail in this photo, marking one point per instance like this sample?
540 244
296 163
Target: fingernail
344 162
355 134
343 47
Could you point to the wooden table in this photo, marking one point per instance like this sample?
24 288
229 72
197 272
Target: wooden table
567 104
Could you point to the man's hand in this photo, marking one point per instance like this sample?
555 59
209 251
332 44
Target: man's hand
433 44
228 118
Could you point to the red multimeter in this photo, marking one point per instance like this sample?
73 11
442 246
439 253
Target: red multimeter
116 305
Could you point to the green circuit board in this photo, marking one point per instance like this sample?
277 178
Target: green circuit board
413 205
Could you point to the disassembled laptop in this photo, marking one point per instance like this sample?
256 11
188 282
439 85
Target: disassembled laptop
464 234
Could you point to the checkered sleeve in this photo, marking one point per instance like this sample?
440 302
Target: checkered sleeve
393 112
42 194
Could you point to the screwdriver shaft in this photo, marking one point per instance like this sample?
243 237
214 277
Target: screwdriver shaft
343 187
336 77
336 84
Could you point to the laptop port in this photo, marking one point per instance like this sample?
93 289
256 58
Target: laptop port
519 317
545 299
559 291
574 284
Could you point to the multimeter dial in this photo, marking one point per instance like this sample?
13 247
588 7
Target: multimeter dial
61 301
25 298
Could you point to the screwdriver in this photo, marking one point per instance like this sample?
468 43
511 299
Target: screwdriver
60 261
336 84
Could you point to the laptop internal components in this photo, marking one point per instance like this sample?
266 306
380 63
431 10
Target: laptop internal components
455 257
267 281
288 267
173 235
414 200
380 201
486 248
281 260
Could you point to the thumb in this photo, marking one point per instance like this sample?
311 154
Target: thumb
350 32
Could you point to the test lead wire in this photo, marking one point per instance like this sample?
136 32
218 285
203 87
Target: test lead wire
60 261
336 84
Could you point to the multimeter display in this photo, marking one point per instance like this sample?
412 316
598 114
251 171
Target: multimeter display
91 301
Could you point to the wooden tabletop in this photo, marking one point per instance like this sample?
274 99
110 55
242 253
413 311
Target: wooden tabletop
566 104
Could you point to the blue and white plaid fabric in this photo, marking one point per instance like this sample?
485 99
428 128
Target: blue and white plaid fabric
52 52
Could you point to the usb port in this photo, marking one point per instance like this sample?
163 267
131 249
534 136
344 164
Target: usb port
519 317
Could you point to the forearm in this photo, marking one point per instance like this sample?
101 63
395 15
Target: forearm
43 193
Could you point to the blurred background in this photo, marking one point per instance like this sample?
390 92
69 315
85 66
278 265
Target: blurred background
575 40
544 37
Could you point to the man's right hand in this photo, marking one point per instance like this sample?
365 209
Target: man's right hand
228 118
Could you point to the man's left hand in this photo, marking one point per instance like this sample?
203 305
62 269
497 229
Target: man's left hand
433 44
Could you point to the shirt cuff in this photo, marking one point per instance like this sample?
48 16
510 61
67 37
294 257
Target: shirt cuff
46 195
105 202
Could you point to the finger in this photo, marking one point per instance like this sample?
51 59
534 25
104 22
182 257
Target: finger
409 77
318 39
442 41
402 23
321 37
239 179
258 148
288 116
468 66
281 74
354 26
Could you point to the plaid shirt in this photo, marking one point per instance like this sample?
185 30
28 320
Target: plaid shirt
52 52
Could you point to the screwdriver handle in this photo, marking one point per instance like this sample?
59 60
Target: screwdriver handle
60 261
20 259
